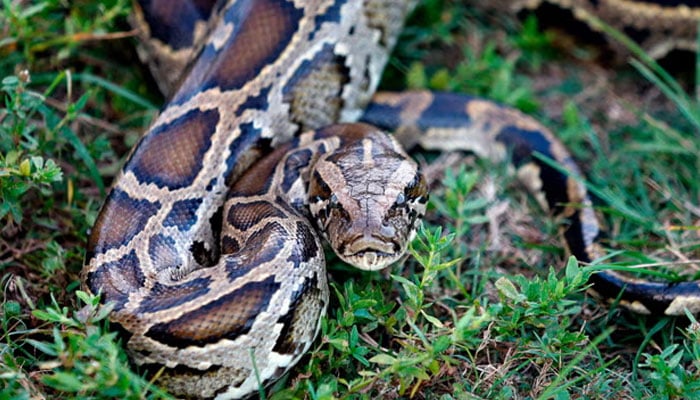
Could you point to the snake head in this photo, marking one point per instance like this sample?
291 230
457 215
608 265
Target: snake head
368 198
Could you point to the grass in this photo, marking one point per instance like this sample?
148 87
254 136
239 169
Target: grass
489 306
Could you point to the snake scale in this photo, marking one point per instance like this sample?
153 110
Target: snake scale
208 244
658 26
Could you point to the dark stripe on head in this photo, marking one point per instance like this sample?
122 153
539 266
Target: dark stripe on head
227 317
119 221
353 151
417 189
261 30
171 155
318 189
115 280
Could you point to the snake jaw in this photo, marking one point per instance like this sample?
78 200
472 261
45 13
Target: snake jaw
371 252
371 260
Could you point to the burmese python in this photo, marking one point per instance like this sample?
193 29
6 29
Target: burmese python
658 26
214 269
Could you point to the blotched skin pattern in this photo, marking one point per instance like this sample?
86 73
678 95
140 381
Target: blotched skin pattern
215 269
658 26
217 293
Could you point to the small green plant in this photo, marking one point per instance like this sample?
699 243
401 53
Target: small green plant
535 43
668 376
50 30
20 170
83 359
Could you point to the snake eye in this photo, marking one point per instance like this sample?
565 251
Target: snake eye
400 199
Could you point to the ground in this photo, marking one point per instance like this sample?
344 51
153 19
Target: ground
489 306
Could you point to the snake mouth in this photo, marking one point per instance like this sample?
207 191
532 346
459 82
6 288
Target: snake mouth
370 253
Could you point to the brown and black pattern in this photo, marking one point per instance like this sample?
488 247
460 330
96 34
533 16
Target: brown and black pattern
163 297
304 307
357 195
153 250
658 26
263 245
171 33
313 92
174 22
162 252
174 168
215 268
122 219
247 215
228 317
451 122
259 31
183 214
117 279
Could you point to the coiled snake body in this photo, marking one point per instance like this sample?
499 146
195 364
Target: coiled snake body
215 271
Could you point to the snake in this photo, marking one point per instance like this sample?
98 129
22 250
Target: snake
658 26
209 247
